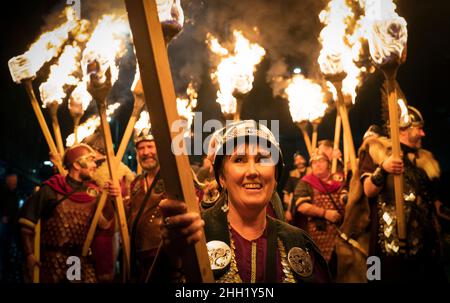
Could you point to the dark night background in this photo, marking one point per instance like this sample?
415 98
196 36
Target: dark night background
424 79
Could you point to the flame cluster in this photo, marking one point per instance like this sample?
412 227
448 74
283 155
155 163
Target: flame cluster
106 46
90 125
44 49
386 31
234 72
341 40
306 99
185 107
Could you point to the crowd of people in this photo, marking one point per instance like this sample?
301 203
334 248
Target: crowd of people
322 228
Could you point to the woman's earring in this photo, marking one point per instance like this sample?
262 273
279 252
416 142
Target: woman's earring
225 207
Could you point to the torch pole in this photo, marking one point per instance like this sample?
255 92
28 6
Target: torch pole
112 165
346 124
346 156
56 128
315 125
302 126
137 108
157 80
337 139
37 250
43 125
390 75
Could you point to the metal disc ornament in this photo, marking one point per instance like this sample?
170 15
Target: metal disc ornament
300 262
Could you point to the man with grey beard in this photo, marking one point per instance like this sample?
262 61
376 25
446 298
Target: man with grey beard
417 260
144 216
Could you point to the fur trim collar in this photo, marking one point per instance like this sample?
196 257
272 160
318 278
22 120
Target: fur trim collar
380 148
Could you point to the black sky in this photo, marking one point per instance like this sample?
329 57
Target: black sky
425 78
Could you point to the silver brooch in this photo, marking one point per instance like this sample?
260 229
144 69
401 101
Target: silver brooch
219 254
300 261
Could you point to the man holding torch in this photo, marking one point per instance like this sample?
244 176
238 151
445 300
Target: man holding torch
144 216
65 206
105 245
418 260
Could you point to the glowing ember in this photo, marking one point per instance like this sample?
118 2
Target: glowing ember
387 31
306 99
235 70
185 107
90 125
45 48
105 47
339 48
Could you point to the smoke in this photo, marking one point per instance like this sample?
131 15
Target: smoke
187 52
288 31
93 11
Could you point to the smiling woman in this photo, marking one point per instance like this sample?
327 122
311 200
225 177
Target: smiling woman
244 243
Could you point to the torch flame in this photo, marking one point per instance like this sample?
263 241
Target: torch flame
60 75
170 10
387 31
339 48
90 125
306 99
80 98
45 48
105 46
235 71
185 107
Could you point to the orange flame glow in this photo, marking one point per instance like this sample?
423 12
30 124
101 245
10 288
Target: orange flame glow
90 125
60 74
386 31
185 107
235 71
45 48
106 45
306 99
80 98
340 49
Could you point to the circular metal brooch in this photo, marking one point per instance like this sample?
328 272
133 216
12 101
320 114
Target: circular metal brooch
300 261
219 254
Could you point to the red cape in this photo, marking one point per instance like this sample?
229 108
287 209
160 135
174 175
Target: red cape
59 184
330 186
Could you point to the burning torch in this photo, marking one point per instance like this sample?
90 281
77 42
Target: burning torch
234 72
387 43
23 69
99 87
78 102
20 71
306 104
